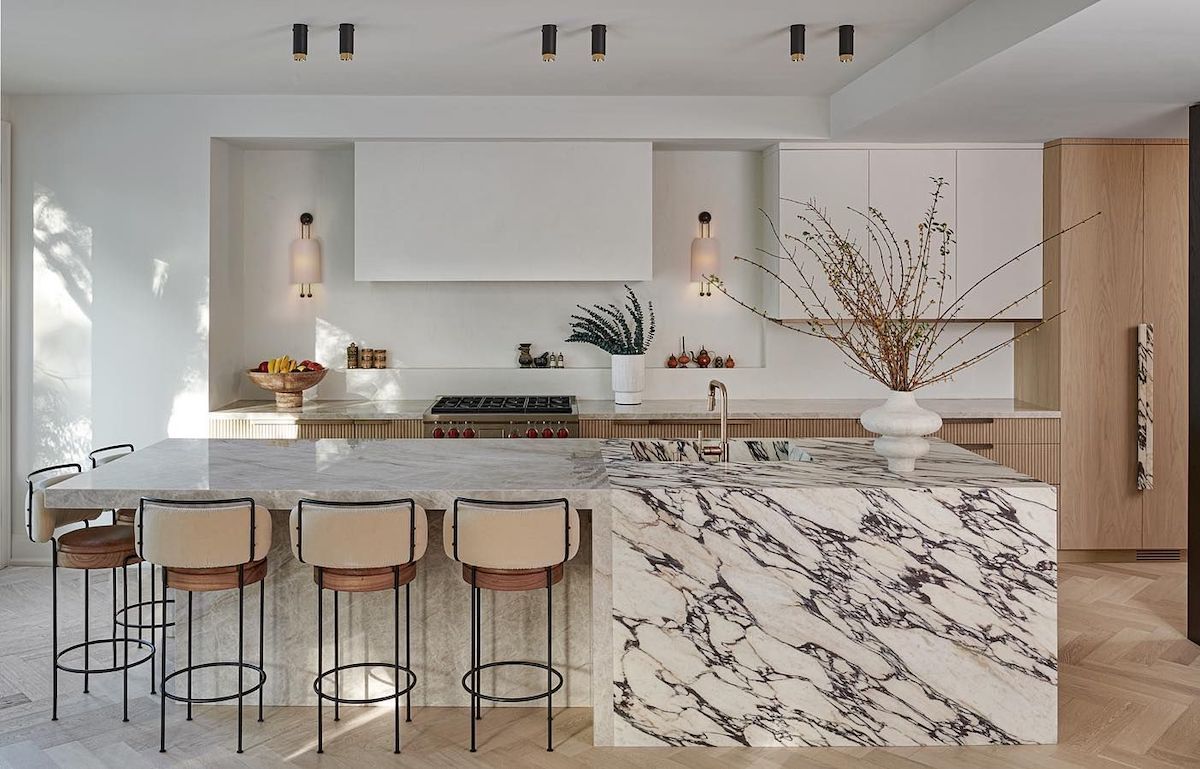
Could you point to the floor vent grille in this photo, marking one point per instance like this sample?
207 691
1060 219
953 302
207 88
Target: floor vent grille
1160 555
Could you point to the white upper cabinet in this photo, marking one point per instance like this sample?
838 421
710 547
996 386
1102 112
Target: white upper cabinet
901 188
503 211
836 180
999 216
993 201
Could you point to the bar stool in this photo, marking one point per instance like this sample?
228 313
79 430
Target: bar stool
511 546
87 548
103 456
361 547
205 546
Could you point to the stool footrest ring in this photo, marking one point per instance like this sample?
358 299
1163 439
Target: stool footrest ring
119 617
262 679
410 676
466 679
137 642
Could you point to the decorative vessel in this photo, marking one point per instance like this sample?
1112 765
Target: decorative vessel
628 379
288 386
901 424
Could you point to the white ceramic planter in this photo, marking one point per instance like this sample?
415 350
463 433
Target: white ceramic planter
902 426
628 379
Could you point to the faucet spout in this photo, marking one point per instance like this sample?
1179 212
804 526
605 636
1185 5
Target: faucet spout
713 386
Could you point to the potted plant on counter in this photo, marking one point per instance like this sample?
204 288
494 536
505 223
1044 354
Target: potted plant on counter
625 333
886 310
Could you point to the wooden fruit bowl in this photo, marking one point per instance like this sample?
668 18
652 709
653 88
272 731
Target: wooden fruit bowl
288 386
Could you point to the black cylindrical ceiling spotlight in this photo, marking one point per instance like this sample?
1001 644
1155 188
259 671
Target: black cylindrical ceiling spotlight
346 41
599 32
549 41
797 42
846 43
299 42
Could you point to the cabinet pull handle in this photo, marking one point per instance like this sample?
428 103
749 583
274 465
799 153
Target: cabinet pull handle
968 421
977 446
1144 361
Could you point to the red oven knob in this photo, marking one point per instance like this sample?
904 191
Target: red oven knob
547 432
531 433
439 432
564 432
453 433
514 434
469 432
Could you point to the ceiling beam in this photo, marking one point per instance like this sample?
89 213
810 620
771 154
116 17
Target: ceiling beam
973 35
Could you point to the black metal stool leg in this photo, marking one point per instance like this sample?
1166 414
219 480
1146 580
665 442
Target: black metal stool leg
191 620
408 648
125 645
396 652
262 610
86 622
549 664
241 645
153 621
162 697
114 613
478 650
320 659
54 627
337 682
474 658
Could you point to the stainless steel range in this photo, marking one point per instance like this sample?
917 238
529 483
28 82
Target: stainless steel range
503 416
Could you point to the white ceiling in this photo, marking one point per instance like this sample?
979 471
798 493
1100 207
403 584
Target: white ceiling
1116 68
431 47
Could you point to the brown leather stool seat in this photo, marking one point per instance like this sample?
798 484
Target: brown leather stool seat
217 577
364 580
511 580
97 547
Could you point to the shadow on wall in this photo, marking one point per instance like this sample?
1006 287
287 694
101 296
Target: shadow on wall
62 333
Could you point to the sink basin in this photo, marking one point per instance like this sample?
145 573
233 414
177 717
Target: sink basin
739 451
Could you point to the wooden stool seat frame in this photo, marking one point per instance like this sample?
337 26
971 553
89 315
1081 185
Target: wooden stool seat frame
368 580
511 580
124 557
221 580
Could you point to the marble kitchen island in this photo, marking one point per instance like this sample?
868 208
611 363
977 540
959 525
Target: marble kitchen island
765 601
830 602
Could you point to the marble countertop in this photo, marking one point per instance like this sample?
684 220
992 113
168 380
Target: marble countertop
278 472
809 408
696 408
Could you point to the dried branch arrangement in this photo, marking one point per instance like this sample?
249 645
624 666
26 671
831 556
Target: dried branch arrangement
886 308
608 327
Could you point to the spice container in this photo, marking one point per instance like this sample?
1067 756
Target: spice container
366 358
380 358
352 356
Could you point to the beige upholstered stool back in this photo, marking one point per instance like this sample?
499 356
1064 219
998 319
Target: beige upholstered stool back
359 535
202 535
492 534
41 521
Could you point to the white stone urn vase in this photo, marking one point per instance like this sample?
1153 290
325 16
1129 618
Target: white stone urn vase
628 379
901 425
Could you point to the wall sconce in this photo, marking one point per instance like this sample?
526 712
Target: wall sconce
306 258
706 256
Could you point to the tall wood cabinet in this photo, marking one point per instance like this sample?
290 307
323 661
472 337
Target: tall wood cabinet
1126 267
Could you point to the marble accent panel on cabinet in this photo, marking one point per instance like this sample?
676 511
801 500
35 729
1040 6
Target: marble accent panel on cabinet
834 616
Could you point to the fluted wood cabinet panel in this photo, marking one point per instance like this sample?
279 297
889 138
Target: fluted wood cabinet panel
1164 507
1037 460
388 428
331 429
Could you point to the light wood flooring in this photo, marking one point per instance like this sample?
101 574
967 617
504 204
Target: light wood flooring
1129 697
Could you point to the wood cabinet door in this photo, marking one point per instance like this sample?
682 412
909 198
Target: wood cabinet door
1101 267
1164 513
836 180
999 203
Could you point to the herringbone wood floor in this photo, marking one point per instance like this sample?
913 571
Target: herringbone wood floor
1130 697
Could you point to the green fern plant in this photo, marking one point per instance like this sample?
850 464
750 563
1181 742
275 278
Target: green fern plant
616 330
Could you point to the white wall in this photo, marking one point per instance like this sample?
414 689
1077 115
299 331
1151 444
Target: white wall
445 337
